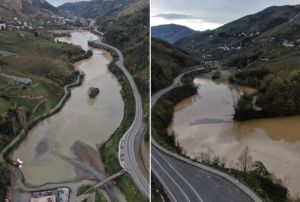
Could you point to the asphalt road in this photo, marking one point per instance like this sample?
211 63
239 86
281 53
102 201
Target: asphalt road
127 145
186 181
176 83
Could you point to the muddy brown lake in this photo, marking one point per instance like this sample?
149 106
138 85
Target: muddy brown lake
85 120
203 124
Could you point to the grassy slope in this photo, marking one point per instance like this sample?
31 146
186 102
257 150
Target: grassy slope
109 151
129 31
273 25
171 32
43 61
261 48
126 26
167 63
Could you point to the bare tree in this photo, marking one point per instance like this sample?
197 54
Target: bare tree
236 93
245 160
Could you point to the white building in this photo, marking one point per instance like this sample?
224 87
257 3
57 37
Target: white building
2 25
288 44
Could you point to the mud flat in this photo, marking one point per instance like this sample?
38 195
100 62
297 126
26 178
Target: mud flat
83 124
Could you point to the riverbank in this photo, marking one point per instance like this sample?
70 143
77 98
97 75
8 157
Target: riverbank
22 135
162 112
43 68
276 95
256 181
110 149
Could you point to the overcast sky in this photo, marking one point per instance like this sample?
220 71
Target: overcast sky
60 2
207 14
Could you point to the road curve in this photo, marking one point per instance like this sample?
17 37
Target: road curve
188 181
127 143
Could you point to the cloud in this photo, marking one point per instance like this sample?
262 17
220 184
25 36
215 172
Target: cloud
60 2
176 16
211 13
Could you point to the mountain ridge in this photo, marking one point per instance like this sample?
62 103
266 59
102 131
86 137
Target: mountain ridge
240 33
26 8
171 32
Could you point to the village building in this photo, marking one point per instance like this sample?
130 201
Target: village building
288 44
2 25
18 80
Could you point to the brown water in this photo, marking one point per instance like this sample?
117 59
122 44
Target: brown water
203 123
81 119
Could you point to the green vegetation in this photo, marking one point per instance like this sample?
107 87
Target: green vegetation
250 77
129 31
216 75
43 61
275 97
102 10
4 105
99 197
167 62
253 174
264 47
158 193
162 113
109 151
4 179
6 53
83 189
130 190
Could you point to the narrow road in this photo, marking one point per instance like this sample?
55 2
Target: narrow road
188 181
127 143
99 184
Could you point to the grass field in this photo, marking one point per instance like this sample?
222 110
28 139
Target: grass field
6 53
109 151
43 61
4 105
99 197
82 189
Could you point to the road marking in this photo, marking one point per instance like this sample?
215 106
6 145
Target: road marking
129 162
181 177
171 178
165 186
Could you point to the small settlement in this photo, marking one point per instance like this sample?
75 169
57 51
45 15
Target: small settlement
43 24
55 195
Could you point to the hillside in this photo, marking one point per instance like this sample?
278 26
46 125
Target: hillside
249 31
171 32
26 8
101 10
125 24
129 31
265 48
167 63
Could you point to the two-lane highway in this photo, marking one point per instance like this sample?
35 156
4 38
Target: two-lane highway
127 145
188 181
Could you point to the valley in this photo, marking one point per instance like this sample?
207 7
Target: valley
203 128
246 100
66 149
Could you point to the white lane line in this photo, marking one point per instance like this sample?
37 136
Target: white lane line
171 178
165 186
181 177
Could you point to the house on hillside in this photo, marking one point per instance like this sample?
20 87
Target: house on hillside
2 25
288 44
18 80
